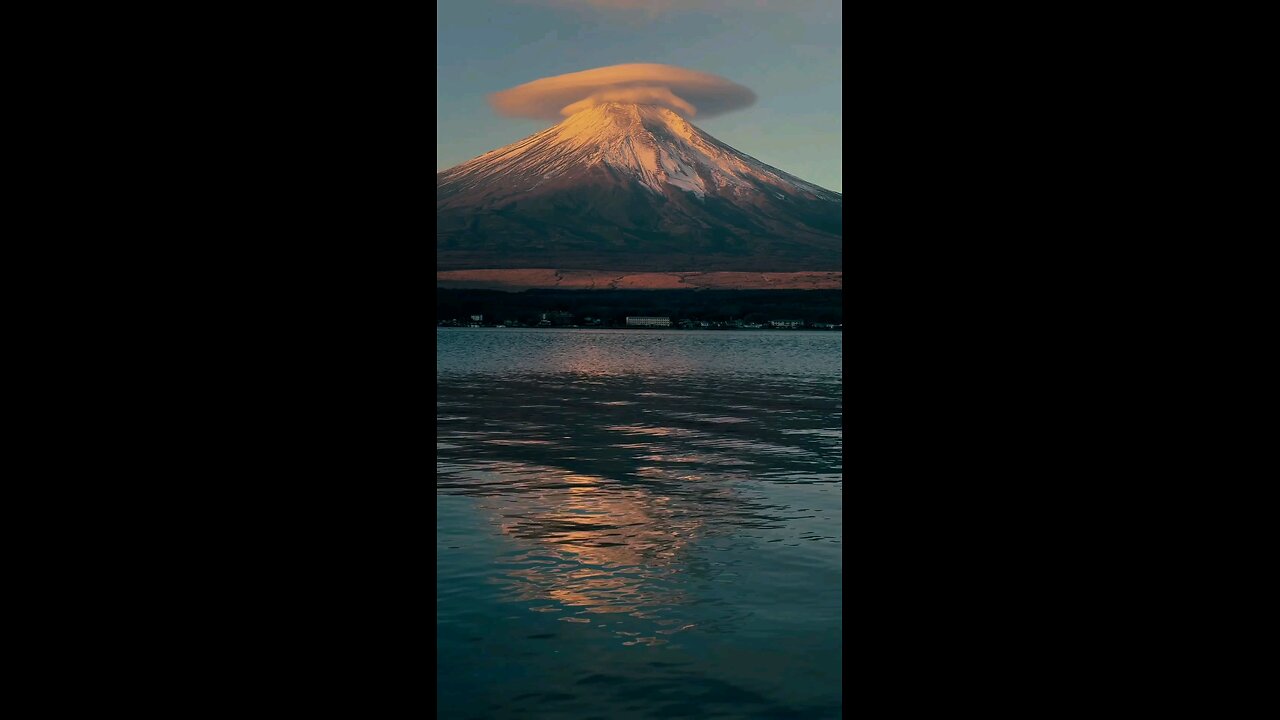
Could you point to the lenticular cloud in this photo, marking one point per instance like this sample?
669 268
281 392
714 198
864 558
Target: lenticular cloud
688 92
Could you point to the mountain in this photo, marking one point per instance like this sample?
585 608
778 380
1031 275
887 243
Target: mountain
625 187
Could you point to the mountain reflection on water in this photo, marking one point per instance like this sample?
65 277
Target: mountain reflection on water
638 524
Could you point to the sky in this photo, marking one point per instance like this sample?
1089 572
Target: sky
788 52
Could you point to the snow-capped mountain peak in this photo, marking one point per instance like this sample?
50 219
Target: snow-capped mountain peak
649 144
631 186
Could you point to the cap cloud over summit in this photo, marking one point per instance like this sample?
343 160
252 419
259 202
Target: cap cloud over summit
688 92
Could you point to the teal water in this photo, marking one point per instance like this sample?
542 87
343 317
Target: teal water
638 524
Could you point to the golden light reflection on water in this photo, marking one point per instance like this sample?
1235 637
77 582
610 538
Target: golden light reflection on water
614 359
621 503
597 548
638 529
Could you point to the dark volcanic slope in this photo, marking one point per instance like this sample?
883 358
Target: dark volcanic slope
631 187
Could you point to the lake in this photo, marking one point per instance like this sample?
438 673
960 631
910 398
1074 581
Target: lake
638 524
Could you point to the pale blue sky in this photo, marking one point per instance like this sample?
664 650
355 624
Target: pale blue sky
788 51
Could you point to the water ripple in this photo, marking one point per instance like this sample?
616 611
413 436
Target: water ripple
646 531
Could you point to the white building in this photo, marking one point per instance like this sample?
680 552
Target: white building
648 321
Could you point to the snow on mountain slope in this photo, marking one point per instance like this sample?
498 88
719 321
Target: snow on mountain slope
654 145
632 187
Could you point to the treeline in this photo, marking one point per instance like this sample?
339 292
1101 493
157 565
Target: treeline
613 306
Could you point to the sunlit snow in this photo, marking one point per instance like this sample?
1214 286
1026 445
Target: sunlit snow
651 144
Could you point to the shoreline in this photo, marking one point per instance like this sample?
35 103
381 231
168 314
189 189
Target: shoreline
515 280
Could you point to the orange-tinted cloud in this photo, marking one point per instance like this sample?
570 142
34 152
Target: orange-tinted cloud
688 92
641 95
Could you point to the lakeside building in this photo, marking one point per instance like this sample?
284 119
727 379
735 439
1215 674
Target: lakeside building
787 323
556 317
648 321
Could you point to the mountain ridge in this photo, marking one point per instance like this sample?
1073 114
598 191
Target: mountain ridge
630 187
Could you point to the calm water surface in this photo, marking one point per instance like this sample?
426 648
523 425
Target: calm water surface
638 524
